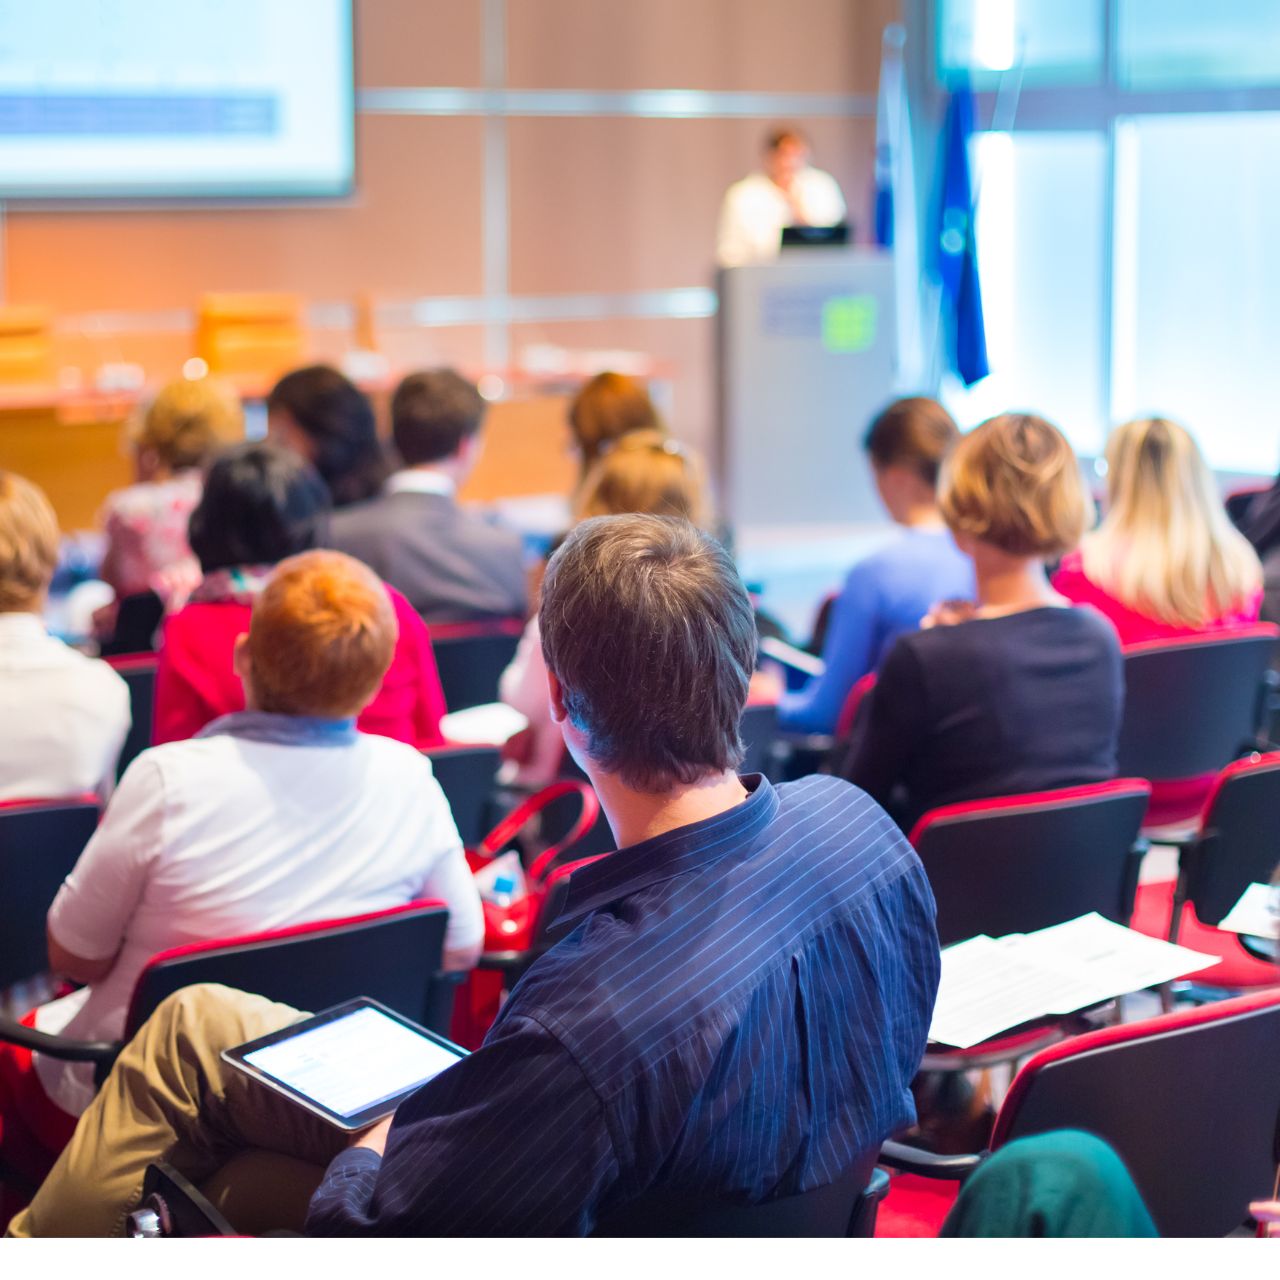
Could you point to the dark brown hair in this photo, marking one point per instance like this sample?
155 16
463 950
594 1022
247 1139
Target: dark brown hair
608 407
647 626
432 413
914 432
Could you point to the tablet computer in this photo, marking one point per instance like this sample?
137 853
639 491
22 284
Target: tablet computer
352 1064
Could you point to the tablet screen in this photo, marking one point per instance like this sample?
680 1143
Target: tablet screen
353 1064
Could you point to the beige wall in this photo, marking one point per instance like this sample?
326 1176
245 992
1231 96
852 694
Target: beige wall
607 204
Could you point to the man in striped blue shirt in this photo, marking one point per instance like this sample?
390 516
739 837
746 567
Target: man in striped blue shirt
736 1017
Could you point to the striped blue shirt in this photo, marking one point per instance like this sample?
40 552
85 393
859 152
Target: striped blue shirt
738 1017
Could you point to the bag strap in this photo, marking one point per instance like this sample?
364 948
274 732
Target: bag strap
507 829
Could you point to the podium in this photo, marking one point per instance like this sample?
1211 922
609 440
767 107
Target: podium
805 358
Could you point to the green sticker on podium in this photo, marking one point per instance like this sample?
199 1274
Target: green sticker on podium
849 324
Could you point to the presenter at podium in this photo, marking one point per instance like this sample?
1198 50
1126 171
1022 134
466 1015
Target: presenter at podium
788 193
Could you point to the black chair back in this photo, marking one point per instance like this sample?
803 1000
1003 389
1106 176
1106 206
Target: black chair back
466 776
393 956
1192 706
1190 1102
759 729
40 841
1020 863
1239 842
138 670
846 1207
471 658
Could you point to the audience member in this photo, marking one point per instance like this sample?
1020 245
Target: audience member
636 473
146 524
261 504
1261 525
278 815
677 1044
325 418
1018 692
451 563
1165 561
890 591
606 408
64 716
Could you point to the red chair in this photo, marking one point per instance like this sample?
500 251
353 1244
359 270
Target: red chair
471 657
1014 864
1191 706
40 841
1190 1101
139 672
1233 846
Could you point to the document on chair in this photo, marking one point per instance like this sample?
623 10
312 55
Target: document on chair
489 724
1257 913
990 985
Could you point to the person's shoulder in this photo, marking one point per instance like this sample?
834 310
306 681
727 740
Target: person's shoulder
482 529
390 758
359 519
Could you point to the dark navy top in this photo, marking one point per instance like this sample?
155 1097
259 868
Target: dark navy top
1028 701
738 1017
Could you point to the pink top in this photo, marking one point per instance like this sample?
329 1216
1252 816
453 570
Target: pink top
195 682
1134 627
146 527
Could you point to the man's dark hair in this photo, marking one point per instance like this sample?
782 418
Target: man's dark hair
339 421
784 133
260 504
648 628
432 413
914 432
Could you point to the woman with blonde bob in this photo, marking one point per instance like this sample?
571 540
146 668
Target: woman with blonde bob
642 473
1016 691
1165 561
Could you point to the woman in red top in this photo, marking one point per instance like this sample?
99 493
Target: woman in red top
1165 562
261 504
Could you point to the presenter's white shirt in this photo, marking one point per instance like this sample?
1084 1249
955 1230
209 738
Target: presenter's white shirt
63 717
755 211
224 835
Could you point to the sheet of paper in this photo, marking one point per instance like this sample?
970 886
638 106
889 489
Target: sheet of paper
1108 960
1257 913
489 724
990 985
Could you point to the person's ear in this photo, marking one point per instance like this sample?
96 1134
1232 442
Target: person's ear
556 694
242 665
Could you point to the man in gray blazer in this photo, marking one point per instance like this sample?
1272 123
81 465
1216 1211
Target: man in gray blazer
451 564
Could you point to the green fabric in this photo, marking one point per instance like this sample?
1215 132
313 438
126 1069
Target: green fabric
1064 1183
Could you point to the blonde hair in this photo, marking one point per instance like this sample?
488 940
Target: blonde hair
187 421
1166 548
1014 482
607 408
321 637
644 474
28 543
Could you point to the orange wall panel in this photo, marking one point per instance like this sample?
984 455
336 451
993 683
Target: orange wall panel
418 42
818 46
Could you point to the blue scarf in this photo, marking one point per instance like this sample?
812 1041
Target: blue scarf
283 731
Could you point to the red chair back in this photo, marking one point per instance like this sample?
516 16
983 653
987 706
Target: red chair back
394 956
40 841
1019 863
853 704
1239 840
1190 1101
1193 705
471 657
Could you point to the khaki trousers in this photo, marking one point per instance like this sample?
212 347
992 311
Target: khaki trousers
171 1097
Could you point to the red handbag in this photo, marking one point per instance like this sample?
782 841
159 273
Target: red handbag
511 931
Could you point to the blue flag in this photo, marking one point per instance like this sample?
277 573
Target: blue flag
956 250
